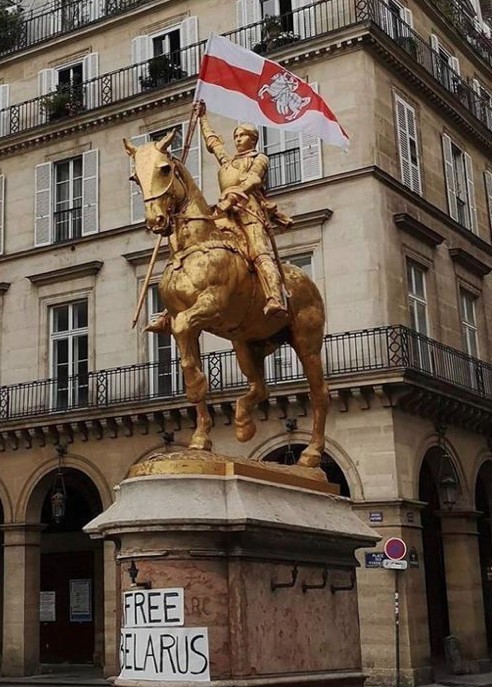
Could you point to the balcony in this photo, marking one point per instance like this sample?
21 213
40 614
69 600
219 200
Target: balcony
313 21
60 18
455 13
363 356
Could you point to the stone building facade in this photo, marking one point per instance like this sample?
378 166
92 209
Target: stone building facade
396 233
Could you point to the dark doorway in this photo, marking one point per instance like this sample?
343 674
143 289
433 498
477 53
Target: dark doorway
482 505
70 576
289 455
435 573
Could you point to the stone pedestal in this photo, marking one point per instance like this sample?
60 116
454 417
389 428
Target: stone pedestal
265 555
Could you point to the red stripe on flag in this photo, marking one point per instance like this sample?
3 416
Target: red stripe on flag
220 73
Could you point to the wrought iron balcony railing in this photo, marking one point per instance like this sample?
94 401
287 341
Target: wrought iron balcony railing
369 350
455 13
67 224
57 19
308 22
284 168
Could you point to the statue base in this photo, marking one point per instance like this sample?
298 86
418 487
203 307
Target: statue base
265 555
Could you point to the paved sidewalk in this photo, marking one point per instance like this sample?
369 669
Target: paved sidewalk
472 680
63 674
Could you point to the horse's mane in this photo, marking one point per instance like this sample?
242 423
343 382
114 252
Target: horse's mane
191 184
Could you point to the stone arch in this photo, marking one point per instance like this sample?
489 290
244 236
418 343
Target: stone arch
339 455
430 442
33 493
6 504
483 468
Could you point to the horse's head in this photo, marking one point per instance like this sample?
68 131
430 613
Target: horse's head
157 174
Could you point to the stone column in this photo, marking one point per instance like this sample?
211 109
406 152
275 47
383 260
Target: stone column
111 610
463 582
376 599
21 599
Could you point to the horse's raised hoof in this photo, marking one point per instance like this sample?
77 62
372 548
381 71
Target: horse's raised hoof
310 458
245 429
200 443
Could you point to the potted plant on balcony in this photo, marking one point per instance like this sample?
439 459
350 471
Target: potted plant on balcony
274 35
161 71
409 45
11 25
65 101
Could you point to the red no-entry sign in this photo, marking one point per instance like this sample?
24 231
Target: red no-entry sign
395 549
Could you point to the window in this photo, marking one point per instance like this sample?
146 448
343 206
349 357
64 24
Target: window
66 199
488 192
2 212
275 22
446 67
165 56
193 163
283 364
396 20
293 158
408 145
419 349
281 10
284 152
69 82
67 216
482 103
4 111
417 301
472 372
459 182
468 323
69 354
165 373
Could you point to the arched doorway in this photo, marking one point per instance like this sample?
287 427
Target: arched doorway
432 541
71 575
288 455
483 494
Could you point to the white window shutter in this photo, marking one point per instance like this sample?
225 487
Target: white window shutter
248 12
188 36
95 9
449 175
470 189
407 133
142 50
2 213
194 159
137 210
43 220
90 192
90 71
435 55
407 16
454 63
55 18
311 162
4 112
384 18
488 191
304 20
46 81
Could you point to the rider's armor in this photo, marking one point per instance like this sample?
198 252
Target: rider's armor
245 173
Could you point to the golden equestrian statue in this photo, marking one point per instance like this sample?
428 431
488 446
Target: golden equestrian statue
223 276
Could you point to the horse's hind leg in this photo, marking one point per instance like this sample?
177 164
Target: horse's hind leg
250 361
308 347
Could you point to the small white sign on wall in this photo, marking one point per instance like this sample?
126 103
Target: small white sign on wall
47 607
154 645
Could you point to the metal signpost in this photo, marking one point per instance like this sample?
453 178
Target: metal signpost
396 550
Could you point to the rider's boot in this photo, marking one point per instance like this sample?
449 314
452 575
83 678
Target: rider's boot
271 285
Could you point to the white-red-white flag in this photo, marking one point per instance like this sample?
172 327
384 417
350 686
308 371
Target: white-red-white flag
238 83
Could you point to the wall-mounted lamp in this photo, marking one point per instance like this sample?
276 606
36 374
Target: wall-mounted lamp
58 490
290 426
447 481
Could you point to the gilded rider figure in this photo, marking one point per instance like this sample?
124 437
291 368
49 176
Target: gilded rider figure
241 181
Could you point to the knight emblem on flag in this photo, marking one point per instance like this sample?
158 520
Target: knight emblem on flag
282 91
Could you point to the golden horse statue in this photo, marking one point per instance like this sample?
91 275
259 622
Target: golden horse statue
209 285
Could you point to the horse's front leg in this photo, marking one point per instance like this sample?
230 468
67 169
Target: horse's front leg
251 362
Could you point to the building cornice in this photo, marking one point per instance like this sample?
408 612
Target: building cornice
419 230
85 269
469 262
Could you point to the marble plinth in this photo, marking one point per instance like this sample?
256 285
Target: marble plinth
265 556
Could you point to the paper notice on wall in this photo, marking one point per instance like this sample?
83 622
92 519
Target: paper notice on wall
80 601
47 607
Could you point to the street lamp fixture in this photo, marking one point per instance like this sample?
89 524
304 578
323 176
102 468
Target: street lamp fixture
58 490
